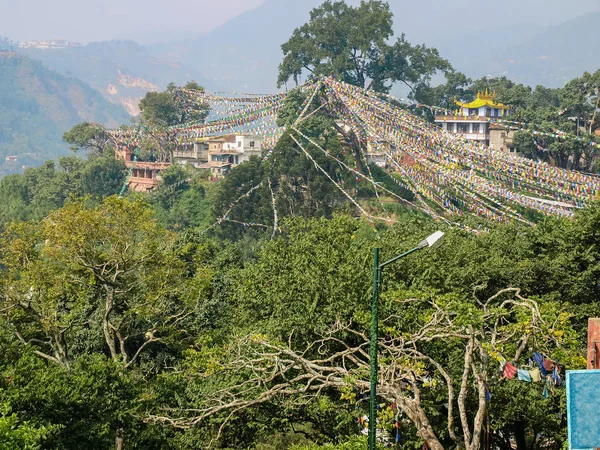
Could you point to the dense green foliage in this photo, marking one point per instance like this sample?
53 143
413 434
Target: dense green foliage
234 314
36 192
183 304
352 43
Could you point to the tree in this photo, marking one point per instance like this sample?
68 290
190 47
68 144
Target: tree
352 43
161 110
180 199
164 109
580 100
158 109
15 435
88 136
103 177
109 276
414 368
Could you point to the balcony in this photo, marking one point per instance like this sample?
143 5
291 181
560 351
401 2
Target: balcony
451 118
474 136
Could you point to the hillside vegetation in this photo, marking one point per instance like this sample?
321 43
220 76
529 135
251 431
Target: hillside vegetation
38 105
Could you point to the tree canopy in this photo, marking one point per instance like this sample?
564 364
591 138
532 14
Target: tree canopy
353 44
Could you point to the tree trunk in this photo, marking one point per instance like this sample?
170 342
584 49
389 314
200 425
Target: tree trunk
120 439
356 147
520 435
595 111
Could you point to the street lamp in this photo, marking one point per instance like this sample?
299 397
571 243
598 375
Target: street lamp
432 241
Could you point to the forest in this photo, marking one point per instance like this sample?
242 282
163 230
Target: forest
235 314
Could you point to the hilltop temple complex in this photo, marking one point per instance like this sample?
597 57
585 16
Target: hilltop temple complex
474 120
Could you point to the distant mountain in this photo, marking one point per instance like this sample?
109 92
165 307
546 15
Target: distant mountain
123 71
38 105
556 55
244 53
529 53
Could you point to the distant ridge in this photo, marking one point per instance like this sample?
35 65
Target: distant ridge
123 71
244 53
38 105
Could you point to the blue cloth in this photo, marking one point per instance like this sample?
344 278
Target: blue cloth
538 358
556 377
524 375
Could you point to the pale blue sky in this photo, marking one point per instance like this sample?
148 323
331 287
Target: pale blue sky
151 21
93 20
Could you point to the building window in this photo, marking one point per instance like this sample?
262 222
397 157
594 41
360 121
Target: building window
463 128
239 143
488 112
251 143
475 128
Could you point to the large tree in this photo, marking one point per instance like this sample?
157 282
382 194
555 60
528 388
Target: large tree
353 44
103 279
297 329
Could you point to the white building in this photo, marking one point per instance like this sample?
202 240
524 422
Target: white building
226 152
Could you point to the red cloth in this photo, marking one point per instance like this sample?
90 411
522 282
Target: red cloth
548 365
510 371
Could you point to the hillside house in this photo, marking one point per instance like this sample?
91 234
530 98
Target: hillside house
226 152
195 154
144 174
502 139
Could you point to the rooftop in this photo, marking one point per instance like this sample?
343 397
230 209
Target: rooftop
483 99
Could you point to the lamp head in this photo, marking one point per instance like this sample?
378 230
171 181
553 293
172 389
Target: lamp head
433 241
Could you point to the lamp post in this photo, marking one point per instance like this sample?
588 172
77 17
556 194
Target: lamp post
432 241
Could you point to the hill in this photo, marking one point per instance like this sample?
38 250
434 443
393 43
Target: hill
244 53
37 106
556 55
530 54
123 71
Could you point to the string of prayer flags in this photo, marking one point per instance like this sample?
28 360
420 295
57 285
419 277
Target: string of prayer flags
544 370
448 175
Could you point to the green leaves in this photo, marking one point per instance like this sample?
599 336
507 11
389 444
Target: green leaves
351 43
17 435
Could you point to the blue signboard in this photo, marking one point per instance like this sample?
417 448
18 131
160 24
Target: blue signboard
583 409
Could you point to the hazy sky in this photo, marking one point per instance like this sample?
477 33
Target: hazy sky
164 20
93 20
